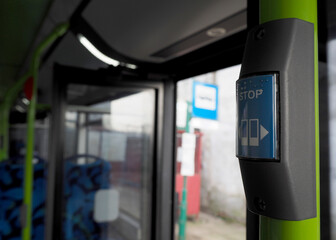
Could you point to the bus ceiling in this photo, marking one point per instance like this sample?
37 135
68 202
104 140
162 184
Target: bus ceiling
178 38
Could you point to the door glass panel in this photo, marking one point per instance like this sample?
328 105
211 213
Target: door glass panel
108 155
208 188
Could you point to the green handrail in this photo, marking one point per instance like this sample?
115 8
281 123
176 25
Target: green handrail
28 172
273 229
5 106
13 92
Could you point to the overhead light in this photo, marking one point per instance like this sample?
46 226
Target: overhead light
98 54
20 109
25 101
216 32
131 66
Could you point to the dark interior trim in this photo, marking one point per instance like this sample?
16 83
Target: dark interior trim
55 167
219 55
165 169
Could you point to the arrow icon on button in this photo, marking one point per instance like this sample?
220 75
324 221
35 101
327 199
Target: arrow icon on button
263 132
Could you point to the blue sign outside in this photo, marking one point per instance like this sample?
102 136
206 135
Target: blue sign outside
257 117
205 100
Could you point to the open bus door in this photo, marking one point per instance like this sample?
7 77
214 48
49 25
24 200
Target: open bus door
111 151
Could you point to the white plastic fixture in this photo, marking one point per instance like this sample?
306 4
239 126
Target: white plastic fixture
95 52
106 205
216 32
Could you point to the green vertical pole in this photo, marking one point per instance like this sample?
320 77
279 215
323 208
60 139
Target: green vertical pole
184 202
273 229
5 106
183 211
28 173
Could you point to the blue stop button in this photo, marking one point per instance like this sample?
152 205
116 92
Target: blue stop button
257 117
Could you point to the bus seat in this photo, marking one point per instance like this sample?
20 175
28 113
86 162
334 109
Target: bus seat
82 181
11 199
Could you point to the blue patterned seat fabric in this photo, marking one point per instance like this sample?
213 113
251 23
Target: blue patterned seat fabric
81 184
11 198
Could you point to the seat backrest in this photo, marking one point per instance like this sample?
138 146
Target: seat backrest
82 181
11 199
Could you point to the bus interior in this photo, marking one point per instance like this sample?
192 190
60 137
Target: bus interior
88 112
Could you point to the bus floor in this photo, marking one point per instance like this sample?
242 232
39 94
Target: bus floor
208 227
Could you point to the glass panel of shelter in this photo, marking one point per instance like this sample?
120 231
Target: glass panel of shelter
108 154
